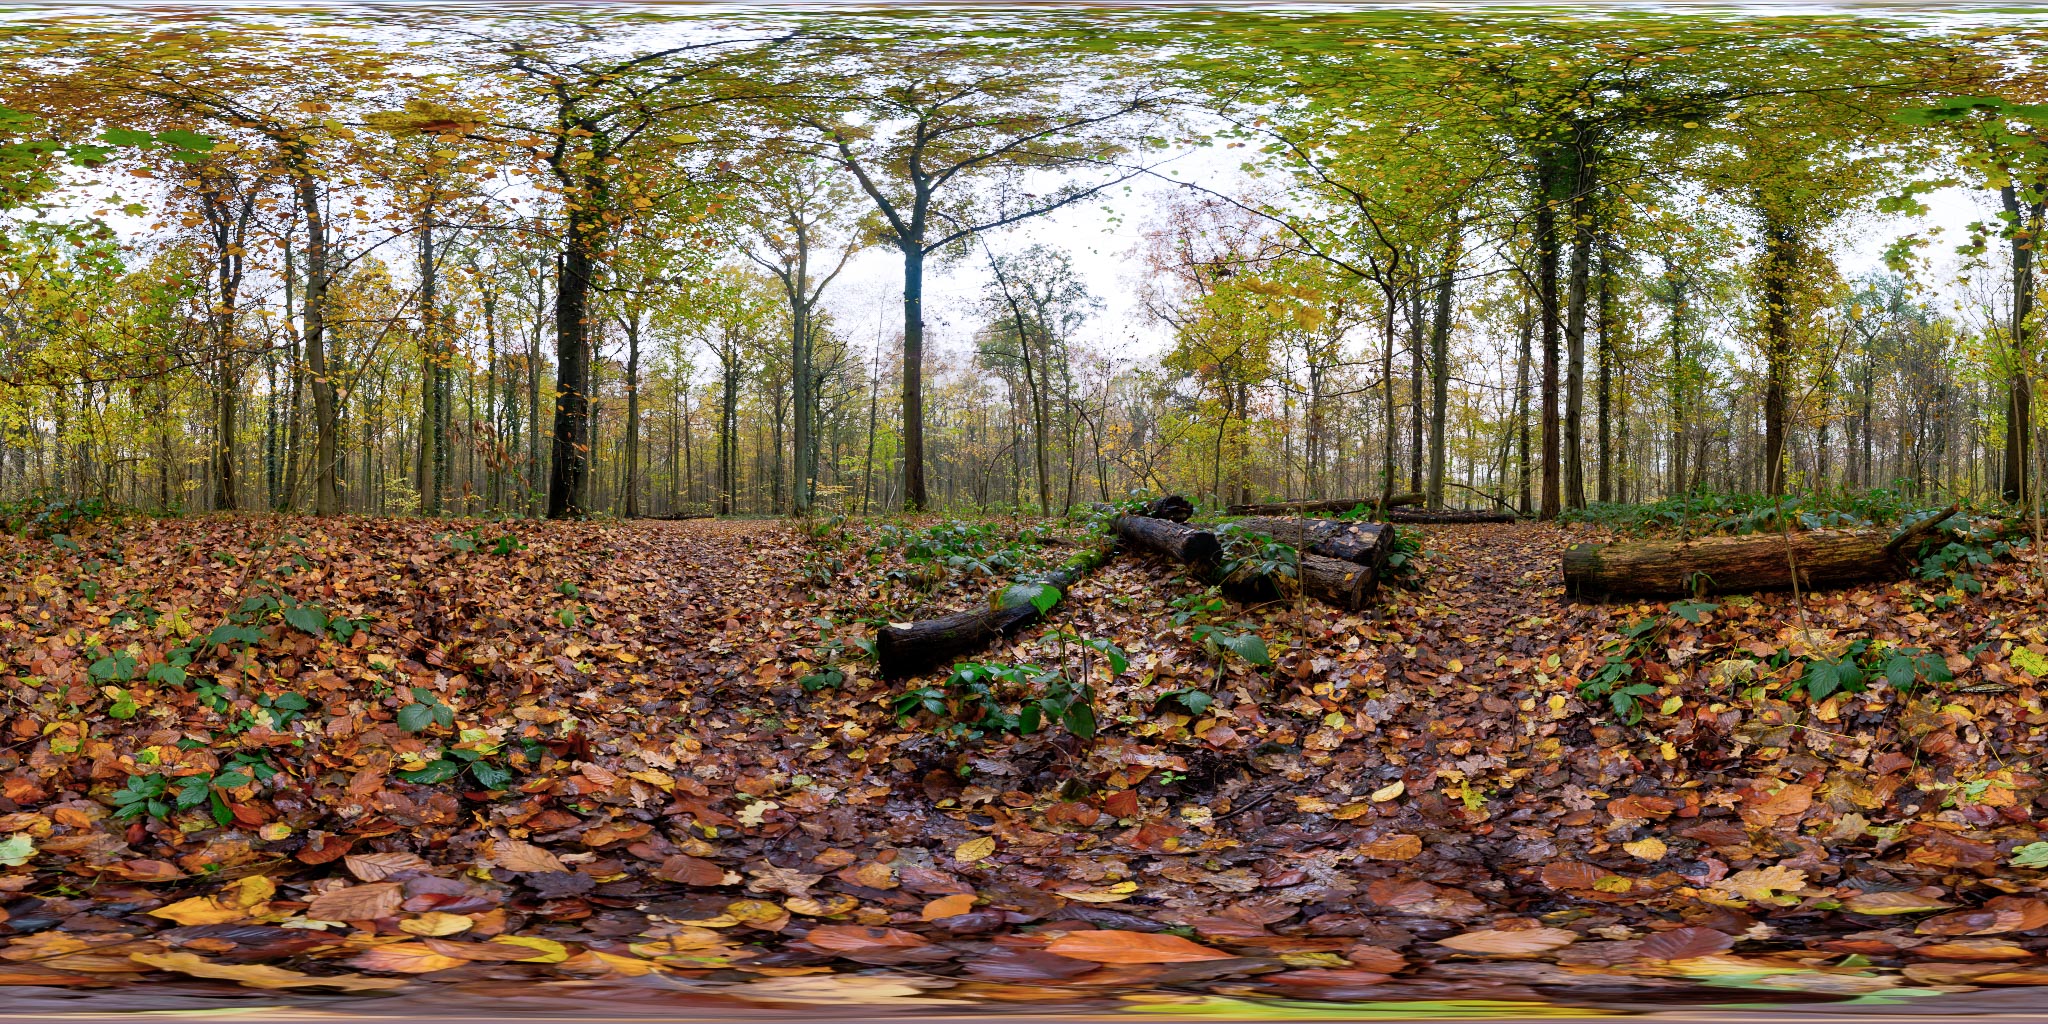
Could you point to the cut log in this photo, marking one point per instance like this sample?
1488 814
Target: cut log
1333 581
1173 508
913 647
1324 505
1761 561
1367 544
1196 548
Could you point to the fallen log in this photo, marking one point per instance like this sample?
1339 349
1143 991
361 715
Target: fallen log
1367 544
1173 508
908 648
1188 545
1446 516
1333 581
1761 561
1325 505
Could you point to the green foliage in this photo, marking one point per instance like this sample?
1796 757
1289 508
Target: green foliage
425 712
160 796
1862 662
474 539
477 756
47 514
984 698
1698 513
1242 642
1190 607
1254 554
1611 682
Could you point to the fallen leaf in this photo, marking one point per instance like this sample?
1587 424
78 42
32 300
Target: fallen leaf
949 906
376 867
404 958
974 849
1400 846
435 923
514 855
1522 942
1650 849
1122 947
853 938
1890 903
357 902
261 975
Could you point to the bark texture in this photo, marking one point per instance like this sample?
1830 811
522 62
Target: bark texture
1366 544
1185 544
1763 561
914 647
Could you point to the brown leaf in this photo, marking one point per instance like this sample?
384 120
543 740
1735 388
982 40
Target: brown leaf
1891 903
376 867
514 855
854 938
1121 947
1572 875
684 869
1684 944
1523 942
357 902
1972 922
948 906
1400 846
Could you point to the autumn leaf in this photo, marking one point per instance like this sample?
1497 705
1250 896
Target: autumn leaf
1883 903
1650 849
1400 846
1124 947
435 923
1524 942
376 867
514 855
975 849
1765 885
948 906
404 958
261 975
847 938
356 902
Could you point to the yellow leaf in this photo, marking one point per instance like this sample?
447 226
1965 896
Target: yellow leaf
1390 790
1107 894
974 849
624 966
546 951
435 924
1765 885
260 975
1650 849
200 910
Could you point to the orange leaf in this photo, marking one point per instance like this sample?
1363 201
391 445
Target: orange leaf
949 906
404 958
855 938
1120 947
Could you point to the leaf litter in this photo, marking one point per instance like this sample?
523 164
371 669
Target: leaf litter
354 756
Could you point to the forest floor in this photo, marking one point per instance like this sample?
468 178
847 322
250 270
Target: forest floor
355 758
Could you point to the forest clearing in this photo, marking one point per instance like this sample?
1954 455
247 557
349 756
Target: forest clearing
1208 512
425 755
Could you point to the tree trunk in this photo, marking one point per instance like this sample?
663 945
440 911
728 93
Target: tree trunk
914 497
632 481
326 429
1417 331
1762 561
1440 364
1604 324
1550 179
428 462
1781 244
569 442
2019 402
1193 547
1582 213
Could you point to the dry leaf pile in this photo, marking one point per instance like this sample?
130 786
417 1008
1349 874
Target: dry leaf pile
628 780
